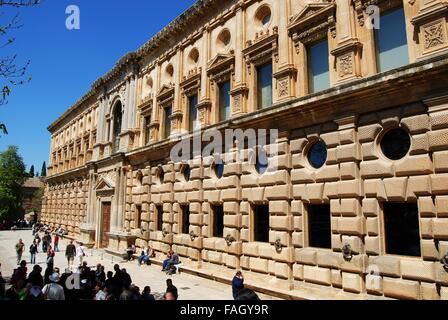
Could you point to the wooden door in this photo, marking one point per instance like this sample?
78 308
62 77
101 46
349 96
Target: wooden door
106 208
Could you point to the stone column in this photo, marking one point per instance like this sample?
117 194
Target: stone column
347 49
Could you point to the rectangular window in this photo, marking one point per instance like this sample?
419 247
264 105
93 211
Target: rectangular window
224 101
147 125
167 122
218 221
264 86
261 223
391 41
318 66
402 232
159 213
192 113
319 226
185 219
137 218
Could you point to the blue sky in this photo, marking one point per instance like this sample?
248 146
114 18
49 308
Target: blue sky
64 63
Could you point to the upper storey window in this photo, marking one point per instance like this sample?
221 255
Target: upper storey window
224 101
117 123
391 41
167 121
193 112
318 66
264 86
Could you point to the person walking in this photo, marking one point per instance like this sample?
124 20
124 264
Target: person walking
56 242
45 242
37 238
53 290
50 255
33 252
81 253
70 253
237 284
19 250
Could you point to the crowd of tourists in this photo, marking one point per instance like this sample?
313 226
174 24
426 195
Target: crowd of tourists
86 283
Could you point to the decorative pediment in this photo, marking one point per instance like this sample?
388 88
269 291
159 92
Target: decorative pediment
105 184
221 67
309 12
220 61
165 89
165 94
313 23
262 50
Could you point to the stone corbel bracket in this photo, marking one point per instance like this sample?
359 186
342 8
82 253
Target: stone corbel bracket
165 232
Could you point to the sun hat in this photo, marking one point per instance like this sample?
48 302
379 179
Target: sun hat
54 277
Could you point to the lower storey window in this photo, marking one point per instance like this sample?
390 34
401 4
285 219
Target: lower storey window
319 226
218 221
261 223
185 219
159 212
401 226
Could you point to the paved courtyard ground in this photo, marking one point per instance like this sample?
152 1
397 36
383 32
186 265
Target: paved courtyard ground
190 287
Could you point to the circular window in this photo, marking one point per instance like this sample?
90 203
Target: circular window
218 168
149 82
169 71
261 164
395 144
193 57
224 39
263 16
317 154
186 171
161 176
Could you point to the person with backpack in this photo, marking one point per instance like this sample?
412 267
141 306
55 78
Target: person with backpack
81 253
19 250
33 252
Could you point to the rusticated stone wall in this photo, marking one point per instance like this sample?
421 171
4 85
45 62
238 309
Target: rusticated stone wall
65 204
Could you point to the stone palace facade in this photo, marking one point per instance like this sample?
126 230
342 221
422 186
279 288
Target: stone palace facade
356 205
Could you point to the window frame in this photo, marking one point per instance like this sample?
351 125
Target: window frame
384 232
253 223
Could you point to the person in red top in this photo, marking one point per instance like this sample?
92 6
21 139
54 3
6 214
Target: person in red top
56 242
50 255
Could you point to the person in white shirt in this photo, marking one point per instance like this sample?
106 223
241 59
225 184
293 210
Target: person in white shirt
53 290
100 294
81 252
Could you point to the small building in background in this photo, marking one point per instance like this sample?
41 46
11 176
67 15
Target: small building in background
29 188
